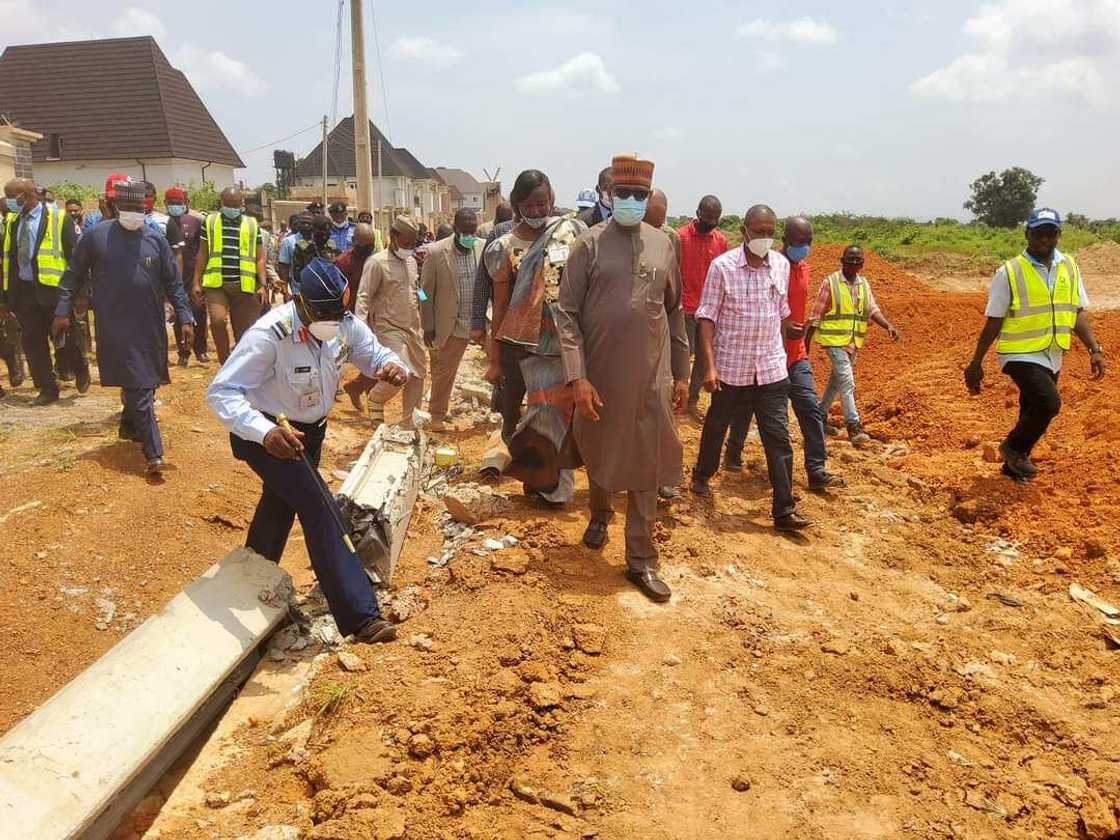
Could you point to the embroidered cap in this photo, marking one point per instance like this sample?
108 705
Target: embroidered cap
629 171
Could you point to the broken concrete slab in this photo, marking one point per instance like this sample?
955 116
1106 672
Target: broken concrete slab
89 754
378 495
472 504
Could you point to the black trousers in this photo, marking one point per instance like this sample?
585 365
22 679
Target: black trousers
290 490
1039 403
512 390
770 405
35 328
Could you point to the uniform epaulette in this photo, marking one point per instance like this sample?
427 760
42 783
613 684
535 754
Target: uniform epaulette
282 328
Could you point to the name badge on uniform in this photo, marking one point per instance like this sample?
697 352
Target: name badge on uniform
558 253
308 400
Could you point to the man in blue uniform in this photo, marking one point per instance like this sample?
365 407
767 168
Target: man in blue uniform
342 227
289 362
126 267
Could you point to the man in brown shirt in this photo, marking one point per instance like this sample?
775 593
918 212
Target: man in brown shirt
625 355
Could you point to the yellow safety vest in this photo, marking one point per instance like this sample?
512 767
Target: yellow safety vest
247 252
5 234
49 259
1037 317
846 322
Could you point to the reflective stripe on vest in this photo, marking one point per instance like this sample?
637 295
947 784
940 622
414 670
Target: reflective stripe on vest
6 235
248 237
846 322
1036 317
49 260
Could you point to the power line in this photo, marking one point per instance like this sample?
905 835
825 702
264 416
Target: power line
381 72
315 124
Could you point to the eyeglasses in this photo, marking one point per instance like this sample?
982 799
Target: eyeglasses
631 192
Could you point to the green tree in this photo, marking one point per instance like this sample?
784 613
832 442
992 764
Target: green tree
204 196
1004 200
67 190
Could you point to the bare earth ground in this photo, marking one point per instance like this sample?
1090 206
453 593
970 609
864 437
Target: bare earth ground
864 681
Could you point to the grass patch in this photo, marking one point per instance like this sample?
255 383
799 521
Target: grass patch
328 697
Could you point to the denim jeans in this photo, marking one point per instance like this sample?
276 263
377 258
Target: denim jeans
841 383
696 378
770 404
803 396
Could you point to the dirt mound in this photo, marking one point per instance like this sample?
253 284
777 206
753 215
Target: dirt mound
913 391
1102 258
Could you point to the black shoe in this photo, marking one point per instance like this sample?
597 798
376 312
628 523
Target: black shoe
595 537
826 480
375 631
651 585
155 468
66 375
45 398
700 487
732 464
1017 462
791 522
83 382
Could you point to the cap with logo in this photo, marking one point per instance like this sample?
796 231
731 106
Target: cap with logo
1042 217
586 198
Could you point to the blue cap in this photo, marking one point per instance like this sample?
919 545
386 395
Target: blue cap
321 283
586 198
1044 216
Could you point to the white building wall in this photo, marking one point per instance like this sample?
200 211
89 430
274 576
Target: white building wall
163 172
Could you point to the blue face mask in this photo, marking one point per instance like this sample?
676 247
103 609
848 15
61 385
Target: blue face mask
13 205
629 211
796 253
231 212
176 209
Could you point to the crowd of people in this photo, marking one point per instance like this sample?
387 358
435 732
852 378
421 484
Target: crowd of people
602 327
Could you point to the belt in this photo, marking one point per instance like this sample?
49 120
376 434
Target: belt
313 428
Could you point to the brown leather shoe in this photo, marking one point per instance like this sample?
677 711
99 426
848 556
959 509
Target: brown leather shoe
650 584
792 522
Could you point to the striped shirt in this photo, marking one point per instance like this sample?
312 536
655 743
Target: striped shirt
747 306
231 250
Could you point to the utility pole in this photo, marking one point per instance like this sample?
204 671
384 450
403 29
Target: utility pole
362 154
380 198
324 163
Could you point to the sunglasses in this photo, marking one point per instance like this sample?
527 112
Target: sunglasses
631 192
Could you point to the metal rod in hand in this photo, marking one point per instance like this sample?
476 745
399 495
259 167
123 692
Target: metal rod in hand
324 491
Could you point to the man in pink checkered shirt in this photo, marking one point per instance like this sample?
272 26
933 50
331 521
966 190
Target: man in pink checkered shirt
743 315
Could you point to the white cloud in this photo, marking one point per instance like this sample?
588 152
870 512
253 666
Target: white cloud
214 70
137 21
805 30
1013 34
425 49
583 73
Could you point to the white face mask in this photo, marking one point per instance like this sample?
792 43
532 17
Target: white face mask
323 330
760 247
130 220
535 224
403 253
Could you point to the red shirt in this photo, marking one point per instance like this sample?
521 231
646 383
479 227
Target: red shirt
351 265
697 252
798 299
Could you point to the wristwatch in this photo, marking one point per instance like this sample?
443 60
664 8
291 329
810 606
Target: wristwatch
1099 351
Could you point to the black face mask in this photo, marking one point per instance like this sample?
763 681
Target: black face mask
364 251
704 227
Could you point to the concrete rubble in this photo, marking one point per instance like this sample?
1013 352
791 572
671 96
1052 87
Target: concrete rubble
473 503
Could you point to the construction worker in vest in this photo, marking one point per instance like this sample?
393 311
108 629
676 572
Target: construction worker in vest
841 312
230 275
1035 302
38 242
10 350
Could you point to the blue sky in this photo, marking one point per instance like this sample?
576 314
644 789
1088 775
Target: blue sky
870 107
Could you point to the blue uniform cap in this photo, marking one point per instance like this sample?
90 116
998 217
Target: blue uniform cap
321 284
1044 216
586 198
